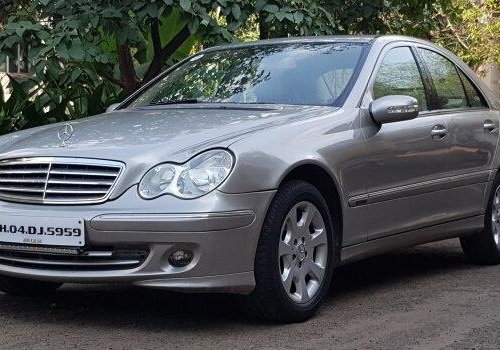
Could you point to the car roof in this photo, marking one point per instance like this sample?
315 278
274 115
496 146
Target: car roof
298 40
364 39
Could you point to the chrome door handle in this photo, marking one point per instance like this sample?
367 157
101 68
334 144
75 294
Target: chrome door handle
489 125
439 131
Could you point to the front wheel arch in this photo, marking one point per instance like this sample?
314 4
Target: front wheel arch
325 183
269 300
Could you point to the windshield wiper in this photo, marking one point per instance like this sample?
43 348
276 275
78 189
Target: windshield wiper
173 102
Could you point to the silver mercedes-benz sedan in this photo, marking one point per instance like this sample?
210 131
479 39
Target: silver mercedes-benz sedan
257 169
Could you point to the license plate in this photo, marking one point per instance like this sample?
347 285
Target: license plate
42 230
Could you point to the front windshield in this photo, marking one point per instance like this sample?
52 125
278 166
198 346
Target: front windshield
297 74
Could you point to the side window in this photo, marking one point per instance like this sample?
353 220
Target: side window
399 75
446 80
476 99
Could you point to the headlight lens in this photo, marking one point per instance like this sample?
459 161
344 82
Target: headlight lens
199 176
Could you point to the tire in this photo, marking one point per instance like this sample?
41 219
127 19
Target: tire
24 287
289 288
484 247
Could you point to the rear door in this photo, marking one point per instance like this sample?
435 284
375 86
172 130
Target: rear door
473 132
406 161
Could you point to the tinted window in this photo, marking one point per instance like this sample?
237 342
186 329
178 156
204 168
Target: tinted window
399 75
475 98
446 80
303 74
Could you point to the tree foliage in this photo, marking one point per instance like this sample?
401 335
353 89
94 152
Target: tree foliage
87 54
471 28
129 42
80 49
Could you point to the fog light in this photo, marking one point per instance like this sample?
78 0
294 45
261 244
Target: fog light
180 258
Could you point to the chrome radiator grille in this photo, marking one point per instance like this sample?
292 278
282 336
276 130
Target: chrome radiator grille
57 180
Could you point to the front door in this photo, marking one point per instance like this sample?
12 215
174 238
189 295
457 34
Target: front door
406 161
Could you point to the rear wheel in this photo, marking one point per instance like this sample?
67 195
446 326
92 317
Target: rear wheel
24 287
295 255
484 247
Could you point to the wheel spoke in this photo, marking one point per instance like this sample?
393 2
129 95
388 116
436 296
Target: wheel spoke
495 217
302 288
495 227
318 238
294 225
309 213
315 270
287 281
301 294
284 249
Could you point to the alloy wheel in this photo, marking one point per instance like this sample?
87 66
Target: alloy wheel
495 217
303 252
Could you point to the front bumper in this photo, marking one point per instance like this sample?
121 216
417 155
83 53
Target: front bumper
222 231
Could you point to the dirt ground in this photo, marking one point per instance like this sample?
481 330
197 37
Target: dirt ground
423 298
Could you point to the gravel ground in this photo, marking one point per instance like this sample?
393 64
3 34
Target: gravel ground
422 298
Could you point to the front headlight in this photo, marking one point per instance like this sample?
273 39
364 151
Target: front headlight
195 178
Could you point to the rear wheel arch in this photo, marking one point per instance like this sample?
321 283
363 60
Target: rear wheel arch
483 247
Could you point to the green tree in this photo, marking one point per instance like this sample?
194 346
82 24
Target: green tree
282 18
130 42
126 42
85 54
472 30
469 28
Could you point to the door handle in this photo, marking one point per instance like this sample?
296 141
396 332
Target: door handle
489 125
438 132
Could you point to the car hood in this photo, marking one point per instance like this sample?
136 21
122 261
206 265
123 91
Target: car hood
152 134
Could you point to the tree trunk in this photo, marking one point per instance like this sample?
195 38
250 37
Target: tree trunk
264 28
160 56
492 77
128 78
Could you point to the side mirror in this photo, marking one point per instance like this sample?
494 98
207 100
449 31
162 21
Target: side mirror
395 108
112 107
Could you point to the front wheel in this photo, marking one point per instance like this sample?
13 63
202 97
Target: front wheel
295 255
484 247
24 287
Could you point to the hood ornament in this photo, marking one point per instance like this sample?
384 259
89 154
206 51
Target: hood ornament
65 132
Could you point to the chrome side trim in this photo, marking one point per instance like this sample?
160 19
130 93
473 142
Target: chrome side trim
358 201
444 183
